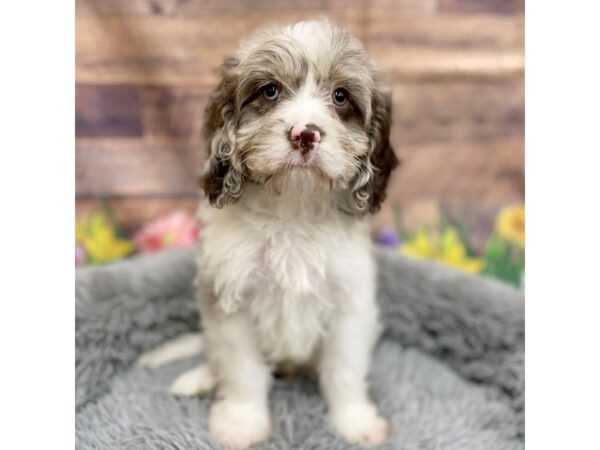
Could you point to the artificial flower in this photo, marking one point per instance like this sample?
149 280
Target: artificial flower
446 248
98 237
387 236
80 256
177 229
510 224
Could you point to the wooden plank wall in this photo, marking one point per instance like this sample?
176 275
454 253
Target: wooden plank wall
145 68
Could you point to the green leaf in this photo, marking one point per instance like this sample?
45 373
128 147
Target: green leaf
463 234
111 215
444 223
503 260
399 222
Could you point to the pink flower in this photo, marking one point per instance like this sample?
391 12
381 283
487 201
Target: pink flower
177 229
80 255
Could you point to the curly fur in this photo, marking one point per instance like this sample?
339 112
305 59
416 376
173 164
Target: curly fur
287 276
240 129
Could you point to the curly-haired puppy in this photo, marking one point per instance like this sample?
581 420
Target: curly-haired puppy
298 156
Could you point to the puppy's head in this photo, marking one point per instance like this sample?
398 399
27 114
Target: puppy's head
301 107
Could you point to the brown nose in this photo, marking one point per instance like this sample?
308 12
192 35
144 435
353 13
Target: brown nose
304 136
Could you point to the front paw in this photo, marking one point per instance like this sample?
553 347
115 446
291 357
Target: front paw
238 425
197 381
360 424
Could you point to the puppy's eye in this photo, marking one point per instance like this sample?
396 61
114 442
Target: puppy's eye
340 96
271 92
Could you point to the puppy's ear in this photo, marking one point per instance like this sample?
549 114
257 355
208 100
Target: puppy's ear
223 180
383 157
369 189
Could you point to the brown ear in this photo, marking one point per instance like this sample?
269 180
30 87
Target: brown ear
383 158
369 189
223 179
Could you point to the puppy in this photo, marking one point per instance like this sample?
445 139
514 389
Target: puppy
298 157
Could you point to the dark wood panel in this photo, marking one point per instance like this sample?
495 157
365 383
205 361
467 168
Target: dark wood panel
145 69
457 111
107 111
174 113
135 167
427 111
180 51
482 6
156 112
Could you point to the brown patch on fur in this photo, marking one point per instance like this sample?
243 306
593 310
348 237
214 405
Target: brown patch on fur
235 139
273 62
219 115
383 158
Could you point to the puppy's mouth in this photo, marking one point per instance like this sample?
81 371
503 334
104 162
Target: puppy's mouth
300 174
301 180
303 159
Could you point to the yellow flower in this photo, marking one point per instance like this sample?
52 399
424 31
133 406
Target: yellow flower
447 249
510 224
421 245
98 237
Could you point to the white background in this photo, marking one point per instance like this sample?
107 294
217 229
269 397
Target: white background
37 217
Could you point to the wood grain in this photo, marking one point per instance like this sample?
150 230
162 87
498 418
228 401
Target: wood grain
482 6
193 8
490 170
105 167
469 170
145 70
456 111
186 51
113 110
174 113
423 111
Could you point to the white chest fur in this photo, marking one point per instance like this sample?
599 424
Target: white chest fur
294 299
284 267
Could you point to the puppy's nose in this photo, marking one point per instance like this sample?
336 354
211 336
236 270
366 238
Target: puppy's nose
304 136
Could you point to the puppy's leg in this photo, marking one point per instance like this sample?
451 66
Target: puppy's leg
240 415
343 370
197 381
184 346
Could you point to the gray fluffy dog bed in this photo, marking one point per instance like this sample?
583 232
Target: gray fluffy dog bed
448 372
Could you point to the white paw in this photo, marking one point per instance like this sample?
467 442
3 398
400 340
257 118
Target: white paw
150 360
238 425
361 424
197 381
